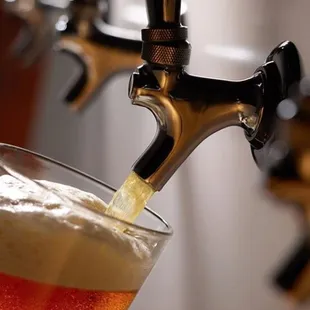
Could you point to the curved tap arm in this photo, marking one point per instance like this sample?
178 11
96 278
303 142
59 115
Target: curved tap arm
188 109
98 63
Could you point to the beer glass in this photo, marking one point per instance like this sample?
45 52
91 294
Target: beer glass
58 250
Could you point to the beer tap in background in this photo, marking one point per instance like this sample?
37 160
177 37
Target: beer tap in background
270 106
102 46
287 155
86 30
38 33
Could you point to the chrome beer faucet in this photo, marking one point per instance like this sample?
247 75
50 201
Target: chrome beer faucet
269 106
190 108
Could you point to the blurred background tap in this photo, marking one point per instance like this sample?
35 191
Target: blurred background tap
105 40
99 46
101 38
97 37
38 33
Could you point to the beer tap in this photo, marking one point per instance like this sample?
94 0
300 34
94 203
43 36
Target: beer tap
83 30
76 28
102 48
269 106
190 108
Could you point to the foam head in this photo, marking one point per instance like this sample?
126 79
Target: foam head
49 241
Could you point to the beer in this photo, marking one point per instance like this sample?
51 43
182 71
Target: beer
56 256
18 294
132 197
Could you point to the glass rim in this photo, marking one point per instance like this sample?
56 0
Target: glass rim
168 232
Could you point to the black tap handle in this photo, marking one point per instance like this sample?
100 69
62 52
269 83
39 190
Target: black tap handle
288 62
283 72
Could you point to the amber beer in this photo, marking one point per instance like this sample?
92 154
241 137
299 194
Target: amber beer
18 294
52 258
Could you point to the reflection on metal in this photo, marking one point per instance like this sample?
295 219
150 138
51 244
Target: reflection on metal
135 14
61 24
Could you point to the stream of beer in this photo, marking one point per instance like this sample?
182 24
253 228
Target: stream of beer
130 200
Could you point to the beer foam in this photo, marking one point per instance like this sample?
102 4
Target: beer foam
45 239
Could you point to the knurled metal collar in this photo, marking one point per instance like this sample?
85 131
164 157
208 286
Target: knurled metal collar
165 55
161 35
167 46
